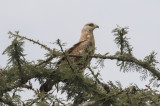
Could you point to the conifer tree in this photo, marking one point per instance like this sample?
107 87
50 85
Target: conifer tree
80 89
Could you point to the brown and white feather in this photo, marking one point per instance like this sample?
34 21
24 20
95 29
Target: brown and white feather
86 45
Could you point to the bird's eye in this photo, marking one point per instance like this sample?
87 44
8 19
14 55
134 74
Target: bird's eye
91 25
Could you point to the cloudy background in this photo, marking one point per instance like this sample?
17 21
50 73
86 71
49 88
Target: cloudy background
48 20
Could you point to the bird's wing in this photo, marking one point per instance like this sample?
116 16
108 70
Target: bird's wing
68 51
74 46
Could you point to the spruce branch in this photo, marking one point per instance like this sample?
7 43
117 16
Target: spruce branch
151 59
8 102
16 56
121 40
95 76
129 59
53 55
78 87
104 87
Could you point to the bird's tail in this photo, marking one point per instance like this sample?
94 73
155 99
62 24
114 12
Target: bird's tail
47 86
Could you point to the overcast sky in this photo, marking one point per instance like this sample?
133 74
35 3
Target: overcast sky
48 20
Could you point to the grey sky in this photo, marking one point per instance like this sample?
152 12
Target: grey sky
48 20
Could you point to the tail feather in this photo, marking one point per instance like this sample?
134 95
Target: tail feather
47 86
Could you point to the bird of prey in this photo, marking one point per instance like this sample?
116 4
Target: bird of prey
86 45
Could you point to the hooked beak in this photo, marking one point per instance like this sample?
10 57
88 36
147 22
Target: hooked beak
96 26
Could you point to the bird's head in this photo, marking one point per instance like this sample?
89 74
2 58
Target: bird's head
90 26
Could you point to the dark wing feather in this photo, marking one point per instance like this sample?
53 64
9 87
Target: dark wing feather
74 46
68 51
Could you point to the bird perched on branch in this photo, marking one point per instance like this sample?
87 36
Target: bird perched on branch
86 45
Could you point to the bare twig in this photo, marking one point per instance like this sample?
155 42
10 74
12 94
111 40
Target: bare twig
95 76
66 56
151 89
31 40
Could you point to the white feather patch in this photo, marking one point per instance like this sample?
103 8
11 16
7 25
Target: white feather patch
88 36
80 51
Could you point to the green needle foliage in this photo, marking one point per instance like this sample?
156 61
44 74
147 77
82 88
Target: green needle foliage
80 89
